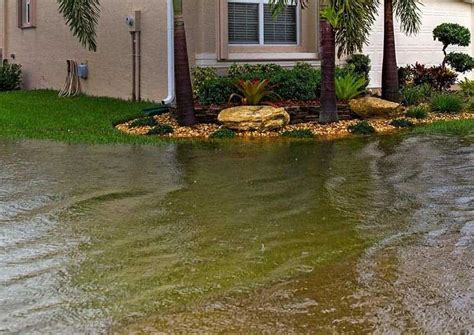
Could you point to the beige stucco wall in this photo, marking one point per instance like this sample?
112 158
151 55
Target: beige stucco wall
2 10
43 51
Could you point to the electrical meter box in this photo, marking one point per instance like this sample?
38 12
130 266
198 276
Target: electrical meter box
134 21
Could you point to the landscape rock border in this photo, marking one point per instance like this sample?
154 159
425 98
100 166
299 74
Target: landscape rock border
333 130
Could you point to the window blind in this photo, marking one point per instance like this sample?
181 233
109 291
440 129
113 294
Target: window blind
243 23
283 28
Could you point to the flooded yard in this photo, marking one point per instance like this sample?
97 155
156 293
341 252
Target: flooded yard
361 235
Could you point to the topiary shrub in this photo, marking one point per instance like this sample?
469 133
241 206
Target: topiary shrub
447 103
361 128
160 130
414 95
298 133
361 65
10 77
402 123
460 62
143 122
223 133
417 112
454 34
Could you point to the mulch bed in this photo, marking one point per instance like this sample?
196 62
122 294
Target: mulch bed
334 130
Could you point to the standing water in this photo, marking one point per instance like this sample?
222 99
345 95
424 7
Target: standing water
366 235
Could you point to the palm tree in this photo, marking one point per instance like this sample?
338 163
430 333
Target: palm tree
345 24
408 12
184 90
82 17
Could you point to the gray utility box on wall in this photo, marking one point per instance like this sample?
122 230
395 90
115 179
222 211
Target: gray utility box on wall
83 70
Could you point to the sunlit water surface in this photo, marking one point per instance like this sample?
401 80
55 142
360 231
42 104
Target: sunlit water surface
366 235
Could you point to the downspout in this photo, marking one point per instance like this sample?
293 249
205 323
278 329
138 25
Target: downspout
171 82
5 29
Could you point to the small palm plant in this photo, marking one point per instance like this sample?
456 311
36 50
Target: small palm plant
253 92
350 86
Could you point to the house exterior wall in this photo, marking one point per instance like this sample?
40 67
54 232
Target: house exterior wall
420 48
43 51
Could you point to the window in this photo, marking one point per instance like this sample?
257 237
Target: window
251 22
26 13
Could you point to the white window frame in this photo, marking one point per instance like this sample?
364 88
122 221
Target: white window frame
261 25
26 13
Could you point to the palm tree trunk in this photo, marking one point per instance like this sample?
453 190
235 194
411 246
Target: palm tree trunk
328 73
184 91
390 83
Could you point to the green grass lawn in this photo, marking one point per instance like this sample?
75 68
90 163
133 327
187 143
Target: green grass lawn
456 127
42 115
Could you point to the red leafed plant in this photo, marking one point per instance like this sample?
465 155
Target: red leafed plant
253 92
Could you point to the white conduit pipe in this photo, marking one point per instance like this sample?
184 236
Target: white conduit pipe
170 43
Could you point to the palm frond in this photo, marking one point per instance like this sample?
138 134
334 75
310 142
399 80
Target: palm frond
82 17
409 14
358 17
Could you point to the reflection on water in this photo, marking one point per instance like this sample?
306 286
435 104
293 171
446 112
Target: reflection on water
354 235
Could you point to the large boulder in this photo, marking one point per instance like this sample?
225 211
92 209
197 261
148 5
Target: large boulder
371 107
254 118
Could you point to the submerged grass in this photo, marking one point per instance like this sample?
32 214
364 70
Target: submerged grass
42 115
455 127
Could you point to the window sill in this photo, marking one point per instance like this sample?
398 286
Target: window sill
281 56
284 59
27 27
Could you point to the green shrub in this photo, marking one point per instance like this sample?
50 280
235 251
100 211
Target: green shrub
438 77
402 123
414 95
350 86
298 133
143 122
447 103
216 91
467 88
161 129
361 128
417 112
460 62
257 71
470 105
223 133
455 34
361 65
10 77
303 82
201 75
452 34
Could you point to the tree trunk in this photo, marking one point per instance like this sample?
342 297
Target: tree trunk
390 83
184 91
328 73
